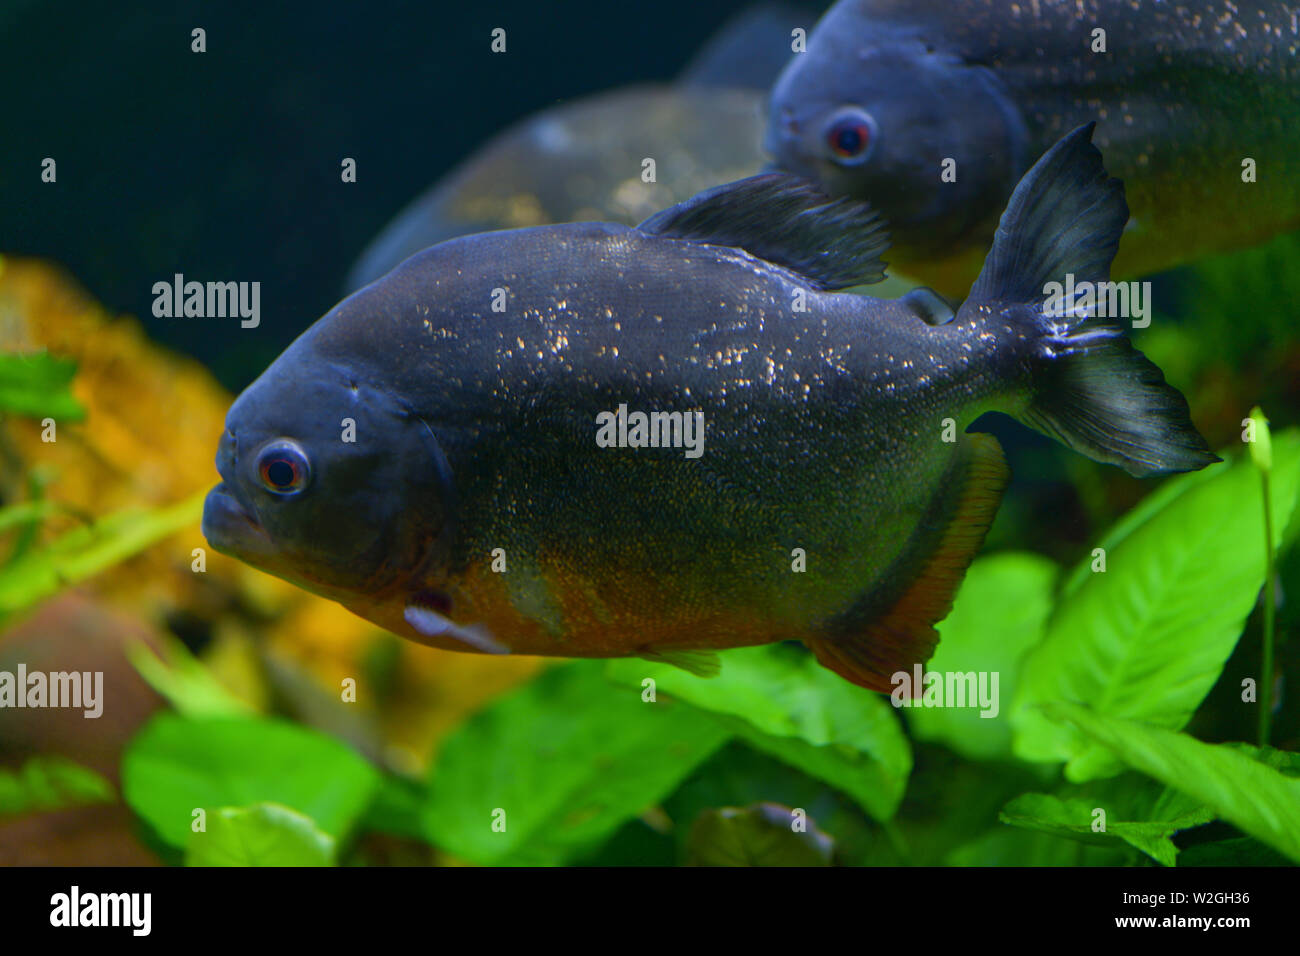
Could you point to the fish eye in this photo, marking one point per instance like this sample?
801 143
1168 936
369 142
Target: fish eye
851 136
283 468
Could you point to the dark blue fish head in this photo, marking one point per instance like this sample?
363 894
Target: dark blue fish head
328 479
878 113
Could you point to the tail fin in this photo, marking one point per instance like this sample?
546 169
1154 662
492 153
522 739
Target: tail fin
1091 389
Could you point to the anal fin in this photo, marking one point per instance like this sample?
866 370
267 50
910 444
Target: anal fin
869 652
701 663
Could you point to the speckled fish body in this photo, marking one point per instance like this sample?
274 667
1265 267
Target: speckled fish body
1184 93
476 510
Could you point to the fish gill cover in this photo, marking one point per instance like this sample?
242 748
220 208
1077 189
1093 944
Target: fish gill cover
628 510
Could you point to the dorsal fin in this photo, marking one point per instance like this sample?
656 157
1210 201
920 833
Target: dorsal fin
833 243
1065 216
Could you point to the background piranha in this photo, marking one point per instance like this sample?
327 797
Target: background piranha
431 461
584 159
1183 95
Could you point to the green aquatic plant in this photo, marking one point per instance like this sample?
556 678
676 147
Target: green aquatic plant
1261 453
265 834
180 772
184 681
39 386
48 783
39 572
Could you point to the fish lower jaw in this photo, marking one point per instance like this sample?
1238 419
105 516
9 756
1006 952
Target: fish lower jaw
231 530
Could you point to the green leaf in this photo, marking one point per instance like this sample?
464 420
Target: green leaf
1147 639
184 681
38 385
1014 846
87 550
561 763
999 614
1282 760
176 765
26 513
51 783
1247 793
265 834
781 701
761 835
398 808
1074 818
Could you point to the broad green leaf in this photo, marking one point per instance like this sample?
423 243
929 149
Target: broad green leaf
998 615
1147 638
87 550
1138 517
553 768
184 681
51 783
1249 794
1282 760
781 701
762 835
265 834
177 765
38 385
1076 817
1014 846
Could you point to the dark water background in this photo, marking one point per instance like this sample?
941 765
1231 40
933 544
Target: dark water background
225 165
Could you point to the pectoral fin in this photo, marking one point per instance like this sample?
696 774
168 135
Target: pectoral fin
432 624
869 652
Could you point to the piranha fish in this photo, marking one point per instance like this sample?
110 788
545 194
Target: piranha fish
1197 102
430 453
584 159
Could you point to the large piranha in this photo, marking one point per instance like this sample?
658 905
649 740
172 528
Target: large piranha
932 110
594 440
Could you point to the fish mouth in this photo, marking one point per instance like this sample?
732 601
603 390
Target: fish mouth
231 529
783 146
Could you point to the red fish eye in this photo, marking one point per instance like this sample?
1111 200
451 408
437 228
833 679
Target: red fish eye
283 468
850 135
